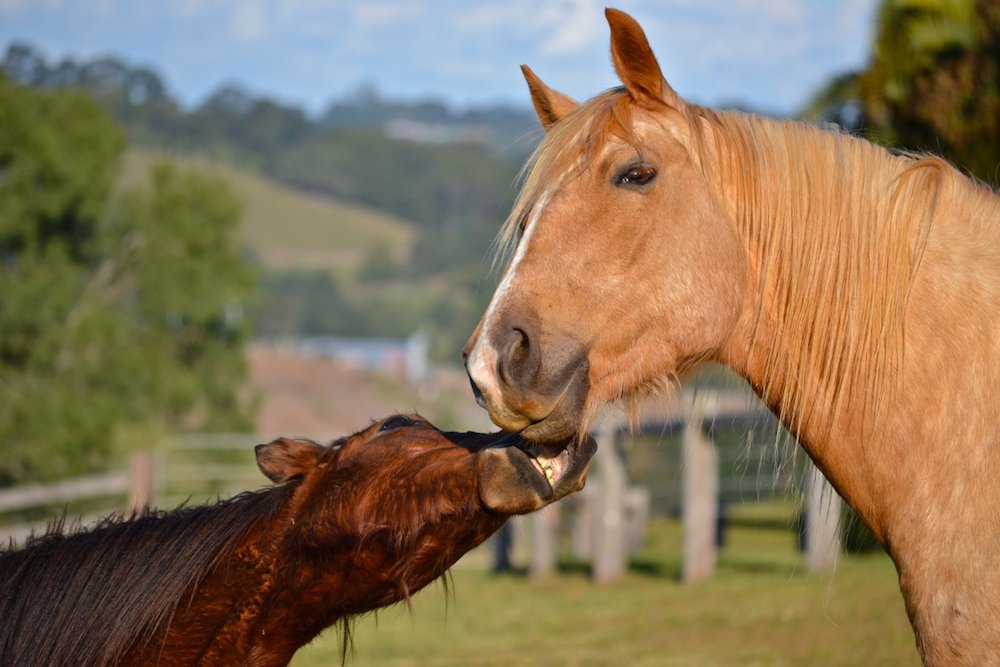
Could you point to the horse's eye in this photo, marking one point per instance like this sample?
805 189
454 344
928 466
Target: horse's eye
397 422
638 175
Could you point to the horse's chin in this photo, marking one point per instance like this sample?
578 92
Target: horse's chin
558 426
542 419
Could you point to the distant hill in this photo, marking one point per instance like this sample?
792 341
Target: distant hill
289 229
329 267
508 132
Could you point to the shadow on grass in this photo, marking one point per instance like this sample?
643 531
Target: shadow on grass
755 566
670 570
658 568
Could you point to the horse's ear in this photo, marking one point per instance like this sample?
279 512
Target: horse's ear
287 458
634 60
550 105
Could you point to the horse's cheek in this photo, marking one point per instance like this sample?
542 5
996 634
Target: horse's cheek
728 287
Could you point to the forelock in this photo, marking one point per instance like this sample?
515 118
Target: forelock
568 145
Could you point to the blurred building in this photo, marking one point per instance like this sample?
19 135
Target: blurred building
406 357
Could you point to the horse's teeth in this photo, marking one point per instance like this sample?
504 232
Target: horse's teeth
547 468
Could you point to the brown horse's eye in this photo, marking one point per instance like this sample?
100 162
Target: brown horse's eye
398 421
638 175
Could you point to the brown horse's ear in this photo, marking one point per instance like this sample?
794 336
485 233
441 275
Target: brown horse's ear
634 60
286 458
550 105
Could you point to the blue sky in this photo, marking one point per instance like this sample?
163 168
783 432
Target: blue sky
770 54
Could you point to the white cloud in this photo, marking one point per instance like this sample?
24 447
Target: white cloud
12 6
372 14
558 27
572 26
484 17
188 8
249 22
105 8
785 12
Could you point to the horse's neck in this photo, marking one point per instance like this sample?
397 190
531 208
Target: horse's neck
254 602
834 236
873 304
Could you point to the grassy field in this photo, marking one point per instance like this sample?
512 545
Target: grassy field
291 229
761 609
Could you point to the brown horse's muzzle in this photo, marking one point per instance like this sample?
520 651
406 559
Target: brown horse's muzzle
516 476
524 477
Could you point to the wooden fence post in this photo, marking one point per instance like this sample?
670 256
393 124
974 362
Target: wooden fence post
544 533
581 532
610 549
823 509
701 495
141 479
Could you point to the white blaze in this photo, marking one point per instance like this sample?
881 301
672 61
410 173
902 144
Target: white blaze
482 361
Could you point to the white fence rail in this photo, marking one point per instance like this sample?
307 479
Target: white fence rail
36 495
134 490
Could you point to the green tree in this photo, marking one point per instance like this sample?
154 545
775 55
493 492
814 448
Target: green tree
304 302
115 311
183 288
934 80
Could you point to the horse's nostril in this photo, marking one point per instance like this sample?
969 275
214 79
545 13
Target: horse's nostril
519 347
518 360
475 389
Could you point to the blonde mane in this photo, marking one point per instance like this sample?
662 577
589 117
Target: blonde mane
835 227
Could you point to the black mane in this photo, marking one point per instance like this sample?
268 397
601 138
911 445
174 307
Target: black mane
86 597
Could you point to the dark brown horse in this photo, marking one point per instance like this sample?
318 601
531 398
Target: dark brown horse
360 524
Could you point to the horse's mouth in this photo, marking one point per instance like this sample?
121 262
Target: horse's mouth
520 476
552 466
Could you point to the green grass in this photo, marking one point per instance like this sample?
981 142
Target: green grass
760 609
287 228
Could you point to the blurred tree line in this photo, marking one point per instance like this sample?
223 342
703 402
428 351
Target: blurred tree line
456 190
449 173
120 310
933 83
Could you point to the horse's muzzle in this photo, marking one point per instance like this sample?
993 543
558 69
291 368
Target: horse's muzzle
530 384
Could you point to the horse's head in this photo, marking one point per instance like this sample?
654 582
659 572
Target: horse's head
402 500
621 251
407 463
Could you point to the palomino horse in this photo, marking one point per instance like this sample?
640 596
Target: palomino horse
857 290
360 524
